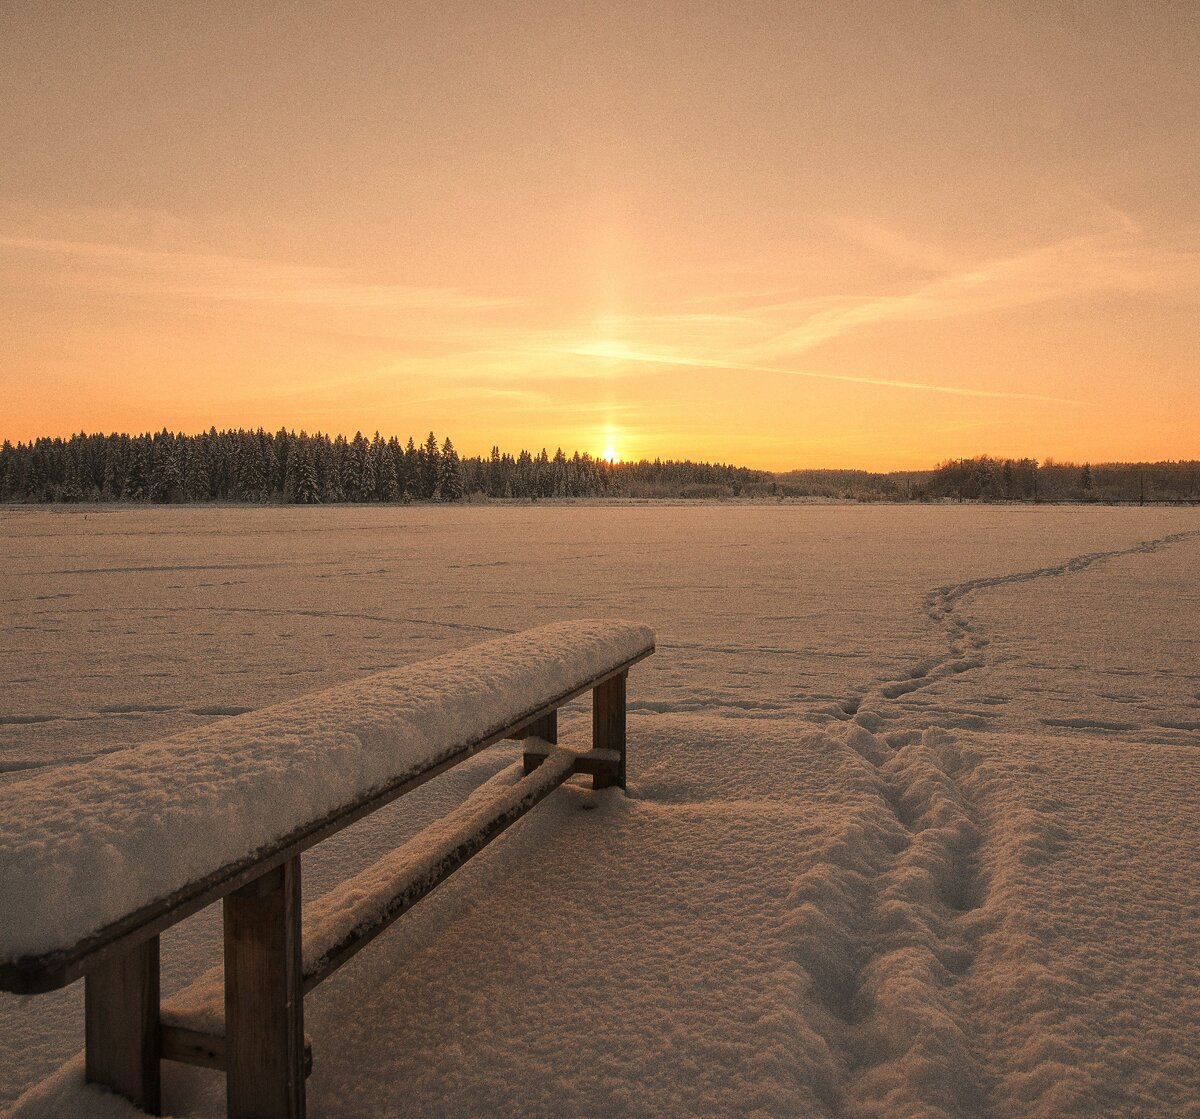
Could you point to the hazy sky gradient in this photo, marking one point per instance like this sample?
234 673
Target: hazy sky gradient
783 234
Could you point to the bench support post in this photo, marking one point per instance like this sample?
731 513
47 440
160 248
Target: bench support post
545 728
608 730
264 997
121 999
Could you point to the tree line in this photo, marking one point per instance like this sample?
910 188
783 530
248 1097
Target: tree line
286 467
993 479
245 466
985 478
260 466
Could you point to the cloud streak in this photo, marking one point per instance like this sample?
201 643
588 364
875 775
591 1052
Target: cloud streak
474 350
1117 260
642 358
136 271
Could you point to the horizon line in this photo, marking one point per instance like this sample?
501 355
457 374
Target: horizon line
619 461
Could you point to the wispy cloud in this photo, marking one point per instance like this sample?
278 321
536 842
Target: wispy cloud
507 352
611 354
138 271
1119 259
893 244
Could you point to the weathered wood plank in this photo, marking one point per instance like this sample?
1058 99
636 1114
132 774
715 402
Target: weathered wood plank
264 998
546 729
597 761
186 1046
192 1047
121 1000
608 730
545 726
588 762
457 852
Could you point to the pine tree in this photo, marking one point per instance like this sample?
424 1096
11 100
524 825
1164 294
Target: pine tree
252 478
524 484
353 467
281 446
334 487
164 474
199 484
187 454
495 474
558 475
114 468
8 461
307 492
71 489
91 464
380 461
412 470
395 456
367 480
38 478
450 481
211 447
430 467
389 485
137 478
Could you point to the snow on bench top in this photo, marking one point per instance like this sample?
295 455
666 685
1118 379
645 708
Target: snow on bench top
84 845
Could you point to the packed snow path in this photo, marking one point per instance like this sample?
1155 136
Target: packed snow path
975 896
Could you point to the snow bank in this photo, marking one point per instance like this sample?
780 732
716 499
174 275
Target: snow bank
67 1093
83 845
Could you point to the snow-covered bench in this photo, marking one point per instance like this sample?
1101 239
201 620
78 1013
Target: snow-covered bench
98 858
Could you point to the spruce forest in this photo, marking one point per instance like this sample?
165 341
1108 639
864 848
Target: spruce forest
257 466
290 468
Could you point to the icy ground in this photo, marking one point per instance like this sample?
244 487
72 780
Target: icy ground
913 823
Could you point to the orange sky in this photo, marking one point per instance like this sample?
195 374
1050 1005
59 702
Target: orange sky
783 234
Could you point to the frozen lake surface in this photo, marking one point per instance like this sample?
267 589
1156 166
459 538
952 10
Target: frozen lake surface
912 825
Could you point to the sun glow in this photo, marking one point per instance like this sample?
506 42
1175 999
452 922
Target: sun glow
610 454
608 348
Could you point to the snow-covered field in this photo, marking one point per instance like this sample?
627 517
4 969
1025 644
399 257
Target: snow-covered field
912 828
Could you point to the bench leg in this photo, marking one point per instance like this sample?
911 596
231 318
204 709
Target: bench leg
546 728
264 998
608 730
120 1001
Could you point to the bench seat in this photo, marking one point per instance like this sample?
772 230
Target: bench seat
92 850
98 858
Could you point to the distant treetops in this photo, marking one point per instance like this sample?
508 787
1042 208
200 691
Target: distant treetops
258 467
285 467
992 479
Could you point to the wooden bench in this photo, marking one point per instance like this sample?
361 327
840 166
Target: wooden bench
98 858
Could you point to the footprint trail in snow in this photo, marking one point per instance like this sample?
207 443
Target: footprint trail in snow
890 924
